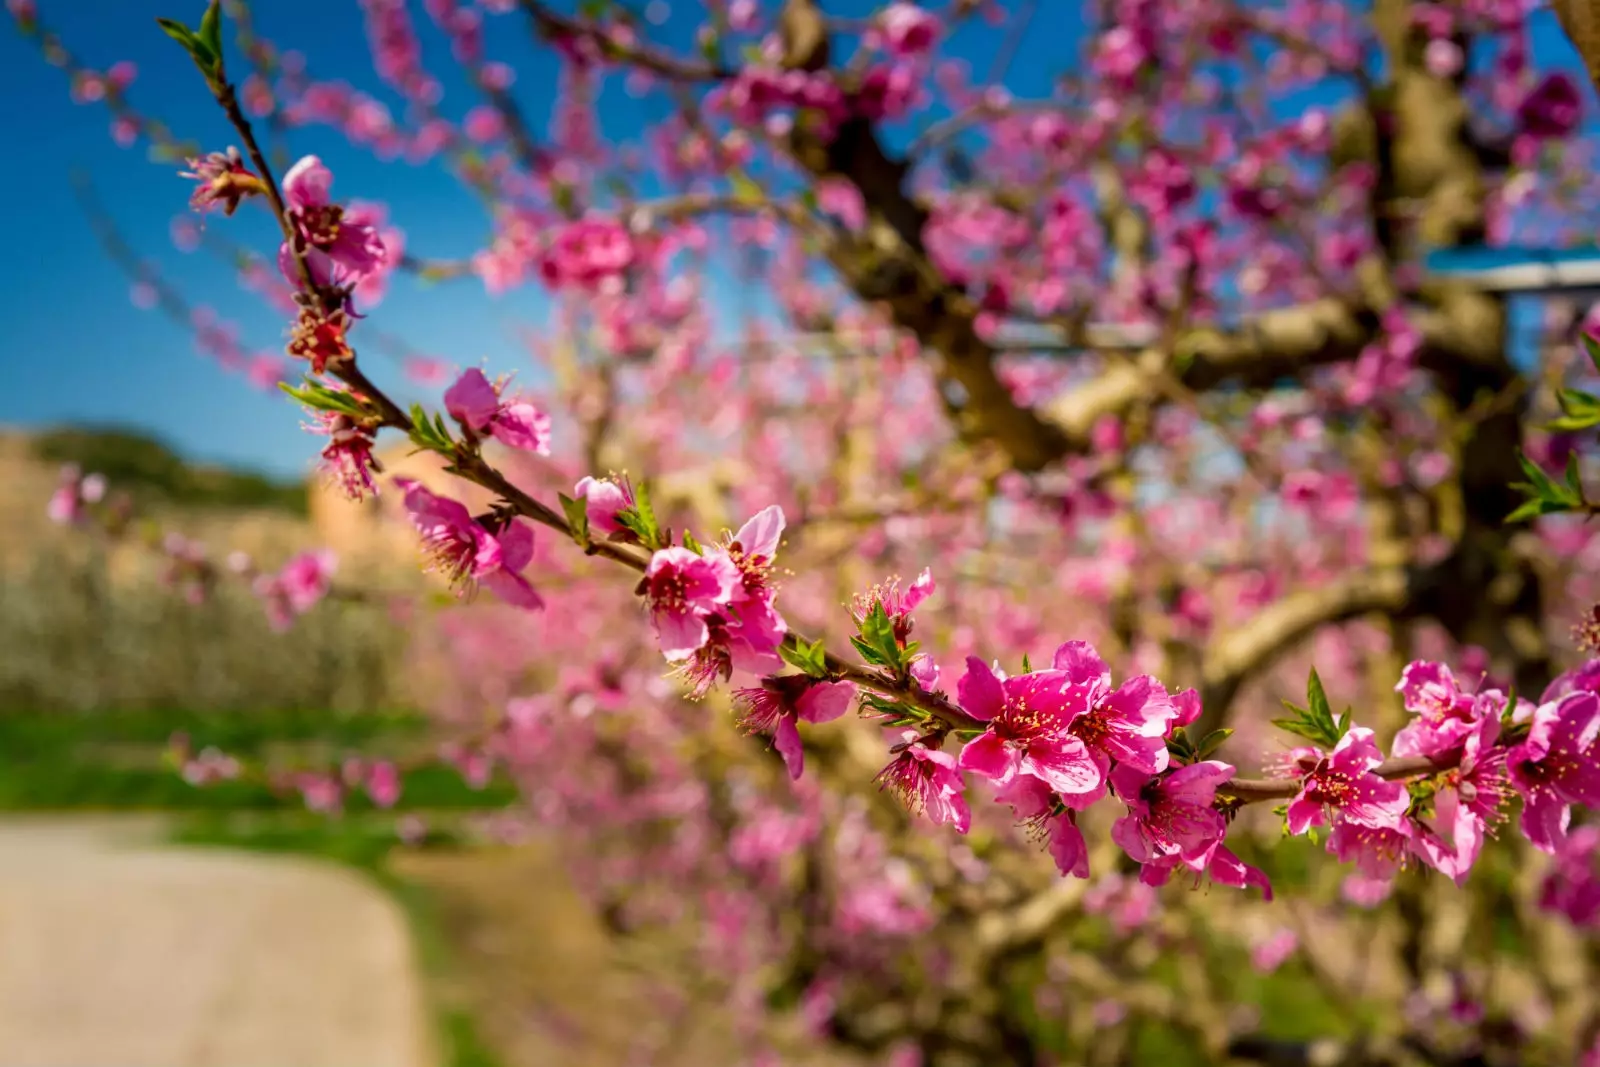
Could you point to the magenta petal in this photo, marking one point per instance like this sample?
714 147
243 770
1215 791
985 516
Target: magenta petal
1423 682
307 183
761 534
1026 796
989 756
951 808
1142 704
513 589
1356 752
602 500
1128 833
979 691
1080 660
1303 813
1129 782
1228 869
524 427
787 741
1197 783
919 590
516 546
1545 818
825 701
472 401
1068 848
680 633
1064 764
1187 705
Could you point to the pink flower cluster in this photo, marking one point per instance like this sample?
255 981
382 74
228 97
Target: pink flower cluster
714 610
477 404
468 551
298 587
341 247
1476 750
1058 740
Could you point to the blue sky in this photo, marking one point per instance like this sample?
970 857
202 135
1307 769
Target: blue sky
76 350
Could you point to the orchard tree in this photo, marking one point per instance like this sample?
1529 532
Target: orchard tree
1145 384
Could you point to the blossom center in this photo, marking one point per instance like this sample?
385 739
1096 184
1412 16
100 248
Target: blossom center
1330 787
321 224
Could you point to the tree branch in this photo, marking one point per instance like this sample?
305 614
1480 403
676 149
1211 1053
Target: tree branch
1232 658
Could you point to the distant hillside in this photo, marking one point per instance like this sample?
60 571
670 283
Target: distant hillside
149 469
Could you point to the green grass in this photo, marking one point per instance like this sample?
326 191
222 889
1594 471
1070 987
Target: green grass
362 844
99 761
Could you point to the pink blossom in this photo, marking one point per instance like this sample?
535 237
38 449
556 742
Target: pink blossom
1128 724
337 248
1228 869
466 552
223 180
1269 953
66 503
1377 851
1344 783
1570 888
1170 818
1037 807
307 578
754 627
1187 705
908 30
1554 766
683 590
840 198
1028 719
927 780
587 253
347 460
383 784
477 404
603 499
1445 714
897 604
780 702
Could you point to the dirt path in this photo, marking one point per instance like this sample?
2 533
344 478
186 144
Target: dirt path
117 950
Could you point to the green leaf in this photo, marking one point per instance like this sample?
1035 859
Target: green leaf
429 433
1027 668
1575 476
1178 744
1317 700
692 544
321 398
878 632
1574 423
641 518
178 32
868 653
1592 346
1211 742
577 512
1532 509
211 29
1543 485
1299 728
808 657
1577 402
